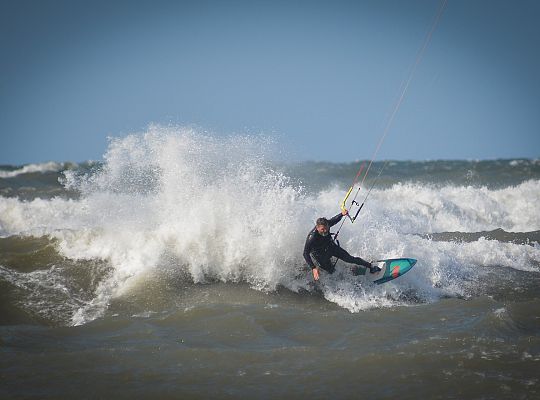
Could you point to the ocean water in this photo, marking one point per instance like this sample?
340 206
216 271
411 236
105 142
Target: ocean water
173 268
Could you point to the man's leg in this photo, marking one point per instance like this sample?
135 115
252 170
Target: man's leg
343 255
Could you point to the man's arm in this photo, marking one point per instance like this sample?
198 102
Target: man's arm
307 255
307 250
334 220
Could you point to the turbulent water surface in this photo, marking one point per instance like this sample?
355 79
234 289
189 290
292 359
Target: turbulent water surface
173 269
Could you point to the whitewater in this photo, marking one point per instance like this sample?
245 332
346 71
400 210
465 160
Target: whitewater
176 203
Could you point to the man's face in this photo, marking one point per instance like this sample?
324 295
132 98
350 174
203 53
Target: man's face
322 229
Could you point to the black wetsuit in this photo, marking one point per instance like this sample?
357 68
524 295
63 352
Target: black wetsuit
319 250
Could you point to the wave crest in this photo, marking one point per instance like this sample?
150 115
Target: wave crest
173 200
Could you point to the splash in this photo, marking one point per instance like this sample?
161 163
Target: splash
177 202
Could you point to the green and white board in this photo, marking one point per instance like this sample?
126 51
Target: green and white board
391 269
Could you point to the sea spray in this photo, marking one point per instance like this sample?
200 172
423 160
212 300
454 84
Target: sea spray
176 203
213 204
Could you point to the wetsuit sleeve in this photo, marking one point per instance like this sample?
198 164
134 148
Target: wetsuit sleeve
334 220
307 249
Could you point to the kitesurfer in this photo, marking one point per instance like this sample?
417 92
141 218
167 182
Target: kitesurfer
320 248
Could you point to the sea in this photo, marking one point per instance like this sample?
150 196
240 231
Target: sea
172 268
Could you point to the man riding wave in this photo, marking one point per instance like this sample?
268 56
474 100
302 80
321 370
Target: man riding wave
320 248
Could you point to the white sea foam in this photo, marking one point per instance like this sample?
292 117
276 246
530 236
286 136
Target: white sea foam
173 198
416 208
48 292
50 166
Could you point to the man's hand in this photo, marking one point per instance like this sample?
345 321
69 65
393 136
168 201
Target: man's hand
315 273
344 211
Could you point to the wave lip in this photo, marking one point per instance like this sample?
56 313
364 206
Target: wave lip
50 166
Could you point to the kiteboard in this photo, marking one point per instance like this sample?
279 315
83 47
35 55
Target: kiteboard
391 269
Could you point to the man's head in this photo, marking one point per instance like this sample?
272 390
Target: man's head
322 226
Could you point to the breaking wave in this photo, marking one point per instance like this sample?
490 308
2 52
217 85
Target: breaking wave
50 166
177 203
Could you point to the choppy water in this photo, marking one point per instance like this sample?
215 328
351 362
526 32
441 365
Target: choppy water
173 269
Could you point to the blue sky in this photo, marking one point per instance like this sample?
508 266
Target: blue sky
321 76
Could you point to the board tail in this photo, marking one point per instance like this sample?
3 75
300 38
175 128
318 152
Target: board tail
393 268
